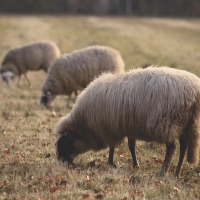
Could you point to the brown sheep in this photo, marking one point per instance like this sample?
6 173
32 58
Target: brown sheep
153 104
32 56
74 71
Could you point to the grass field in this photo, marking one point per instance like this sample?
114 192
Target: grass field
28 165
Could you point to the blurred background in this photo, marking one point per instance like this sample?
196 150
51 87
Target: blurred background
104 7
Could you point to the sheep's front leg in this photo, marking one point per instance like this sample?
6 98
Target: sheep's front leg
183 149
170 148
131 145
76 93
110 158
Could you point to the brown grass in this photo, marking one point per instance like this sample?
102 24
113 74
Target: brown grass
28 166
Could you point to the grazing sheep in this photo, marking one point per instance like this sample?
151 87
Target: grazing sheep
33 56
153 104
74 71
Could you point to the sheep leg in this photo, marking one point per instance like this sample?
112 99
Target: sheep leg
131 145
76 93
29 83
68 101
183 149
18 81
110 158
170 148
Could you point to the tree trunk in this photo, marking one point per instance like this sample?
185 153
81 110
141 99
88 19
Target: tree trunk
128 7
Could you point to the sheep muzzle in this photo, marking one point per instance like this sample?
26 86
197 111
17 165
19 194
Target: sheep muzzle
65 149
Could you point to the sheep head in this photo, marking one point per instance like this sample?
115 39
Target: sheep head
7 72
69 144
46 98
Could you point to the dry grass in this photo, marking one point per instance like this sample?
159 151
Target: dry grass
28 167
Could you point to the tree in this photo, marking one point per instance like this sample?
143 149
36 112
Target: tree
129 7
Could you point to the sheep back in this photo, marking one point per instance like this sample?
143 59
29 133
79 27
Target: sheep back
76 70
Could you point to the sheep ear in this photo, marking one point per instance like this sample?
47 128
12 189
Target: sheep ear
48 93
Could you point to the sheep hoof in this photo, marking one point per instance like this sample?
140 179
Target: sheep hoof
136 166
161 174
70 165
112 165
177 176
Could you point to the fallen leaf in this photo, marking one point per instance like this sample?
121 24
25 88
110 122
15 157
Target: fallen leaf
50 130
42 198
5 183
97 191
69 176
129 168
88 178
176 190
88 198
53 188
7 151
48 180
54 113
51 169
157 161
122 154
99 196
85 196
20 154
89 183
58 179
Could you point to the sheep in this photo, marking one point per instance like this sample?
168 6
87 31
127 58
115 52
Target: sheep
153 104
32 56
74 71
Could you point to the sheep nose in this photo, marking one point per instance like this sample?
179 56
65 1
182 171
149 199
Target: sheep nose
44 100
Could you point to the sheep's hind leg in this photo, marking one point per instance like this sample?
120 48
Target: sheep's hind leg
18 81
170 148
183 149
131 145
29 83
110 158
68 101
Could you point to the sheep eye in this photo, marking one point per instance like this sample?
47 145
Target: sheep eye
69 136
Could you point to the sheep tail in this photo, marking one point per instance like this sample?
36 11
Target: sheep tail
192 136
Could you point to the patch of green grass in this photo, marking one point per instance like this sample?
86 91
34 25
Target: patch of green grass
28 167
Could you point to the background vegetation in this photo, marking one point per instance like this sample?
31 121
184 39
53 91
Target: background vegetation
28 165
104 7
